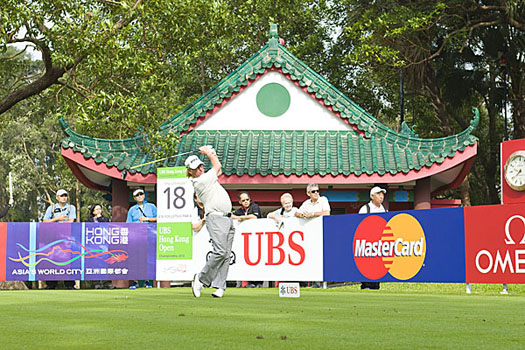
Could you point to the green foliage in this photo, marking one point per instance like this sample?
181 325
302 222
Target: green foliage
161 145
29 149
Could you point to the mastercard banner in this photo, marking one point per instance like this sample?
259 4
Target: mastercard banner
404 246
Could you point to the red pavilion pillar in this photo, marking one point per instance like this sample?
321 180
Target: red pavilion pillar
422 194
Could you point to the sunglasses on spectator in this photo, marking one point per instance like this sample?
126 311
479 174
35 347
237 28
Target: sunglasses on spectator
63 195
314 191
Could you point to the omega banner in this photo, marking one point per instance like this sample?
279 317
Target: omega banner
483 244
495 243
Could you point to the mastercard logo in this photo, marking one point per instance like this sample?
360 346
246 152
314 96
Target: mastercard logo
397 247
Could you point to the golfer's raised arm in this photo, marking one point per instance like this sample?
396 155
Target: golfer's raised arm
209 152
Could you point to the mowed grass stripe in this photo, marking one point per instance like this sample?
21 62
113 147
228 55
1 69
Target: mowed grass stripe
433 316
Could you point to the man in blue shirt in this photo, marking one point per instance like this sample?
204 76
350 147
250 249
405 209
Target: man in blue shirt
61 211
141 212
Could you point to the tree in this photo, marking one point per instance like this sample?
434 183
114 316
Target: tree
29 149
65 33
447 51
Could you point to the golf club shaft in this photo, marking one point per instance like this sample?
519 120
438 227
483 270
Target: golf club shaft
161 159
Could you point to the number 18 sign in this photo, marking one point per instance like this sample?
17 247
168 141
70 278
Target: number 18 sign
174 195
174 233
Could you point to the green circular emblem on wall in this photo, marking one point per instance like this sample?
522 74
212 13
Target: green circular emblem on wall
273 100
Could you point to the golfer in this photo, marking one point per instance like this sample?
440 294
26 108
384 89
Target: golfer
218 221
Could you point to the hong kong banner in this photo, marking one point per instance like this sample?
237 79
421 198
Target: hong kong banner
404 246
77 251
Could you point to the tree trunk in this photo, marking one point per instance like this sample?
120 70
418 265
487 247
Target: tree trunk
518 105
516 69
464 191
490 158
438 104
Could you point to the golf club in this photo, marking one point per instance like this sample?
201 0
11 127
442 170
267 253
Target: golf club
124 172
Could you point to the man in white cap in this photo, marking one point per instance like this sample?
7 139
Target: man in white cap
219 223
377 196
142 211
61 211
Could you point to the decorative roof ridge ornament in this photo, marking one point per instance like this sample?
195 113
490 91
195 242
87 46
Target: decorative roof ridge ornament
63 123
406 130
472 127
475 121
273 41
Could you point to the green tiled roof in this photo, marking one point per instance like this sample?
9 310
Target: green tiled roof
381 150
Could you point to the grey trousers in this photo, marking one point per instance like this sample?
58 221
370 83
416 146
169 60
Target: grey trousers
221 231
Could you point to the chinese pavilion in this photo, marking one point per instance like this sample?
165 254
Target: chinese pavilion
277 125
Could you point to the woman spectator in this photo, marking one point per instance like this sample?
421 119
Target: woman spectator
95 212
95 215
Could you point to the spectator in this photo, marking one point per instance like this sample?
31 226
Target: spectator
377 196
141 212
6 209
248 210
286 211
316 206
61 211
95 214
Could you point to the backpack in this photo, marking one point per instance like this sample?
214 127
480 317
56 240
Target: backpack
368 208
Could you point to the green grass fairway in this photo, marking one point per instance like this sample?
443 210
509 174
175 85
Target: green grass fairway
398 316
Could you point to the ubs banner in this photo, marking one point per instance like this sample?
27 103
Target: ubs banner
77 251
261 251
264 251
